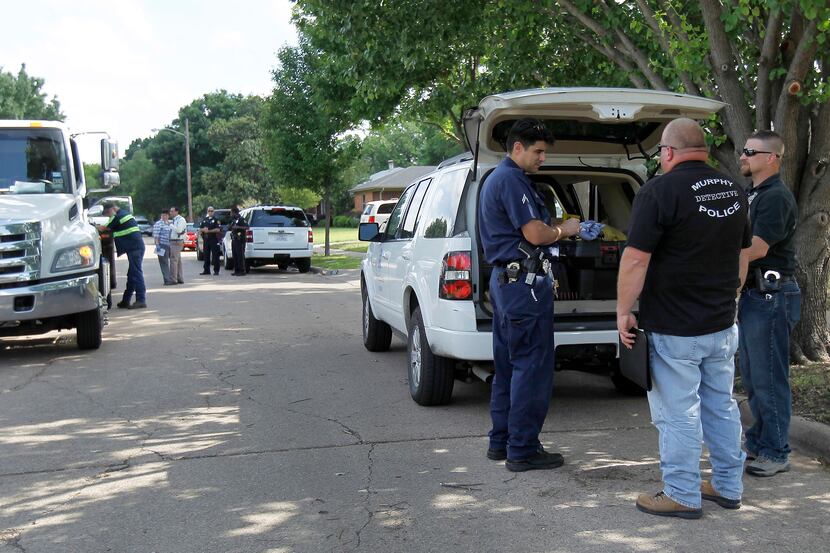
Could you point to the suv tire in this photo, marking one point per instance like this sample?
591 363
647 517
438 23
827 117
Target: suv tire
377 335
90 328
303 264
200 256
228 262
431 377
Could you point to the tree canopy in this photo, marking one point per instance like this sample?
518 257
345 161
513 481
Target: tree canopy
21 98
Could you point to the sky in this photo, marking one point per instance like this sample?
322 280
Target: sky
127 66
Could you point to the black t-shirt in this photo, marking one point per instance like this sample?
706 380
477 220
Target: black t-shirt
773 212
694 221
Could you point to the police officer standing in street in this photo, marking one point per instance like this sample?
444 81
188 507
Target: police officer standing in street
512 215
210 229
769 307
237 228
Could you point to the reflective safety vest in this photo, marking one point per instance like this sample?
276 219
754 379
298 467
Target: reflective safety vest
125 231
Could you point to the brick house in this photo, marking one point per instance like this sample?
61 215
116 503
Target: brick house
387 184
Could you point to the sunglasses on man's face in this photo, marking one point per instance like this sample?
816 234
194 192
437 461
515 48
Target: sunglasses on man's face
749 152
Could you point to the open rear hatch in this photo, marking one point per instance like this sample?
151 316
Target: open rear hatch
603 138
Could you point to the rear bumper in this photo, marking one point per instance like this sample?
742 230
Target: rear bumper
273 255
478 346
51 299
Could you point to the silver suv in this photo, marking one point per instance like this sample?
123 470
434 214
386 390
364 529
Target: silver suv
425 278
277 235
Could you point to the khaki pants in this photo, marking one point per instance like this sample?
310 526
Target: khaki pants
176 261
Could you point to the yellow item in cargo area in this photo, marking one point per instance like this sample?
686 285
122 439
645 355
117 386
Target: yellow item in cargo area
612 234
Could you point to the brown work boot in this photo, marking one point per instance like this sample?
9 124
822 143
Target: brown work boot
709 493
662 505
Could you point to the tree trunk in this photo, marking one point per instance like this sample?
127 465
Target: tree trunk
327 204
810 338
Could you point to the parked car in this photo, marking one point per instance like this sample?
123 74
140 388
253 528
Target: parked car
424 276
378 211
278 235
190 237
144 225
224 217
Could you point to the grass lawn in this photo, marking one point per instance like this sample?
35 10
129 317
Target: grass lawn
336 235
336 262
811 391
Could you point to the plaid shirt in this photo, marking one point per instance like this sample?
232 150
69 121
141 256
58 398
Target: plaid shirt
161 232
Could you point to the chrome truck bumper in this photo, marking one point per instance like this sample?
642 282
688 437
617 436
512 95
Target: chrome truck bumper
50 299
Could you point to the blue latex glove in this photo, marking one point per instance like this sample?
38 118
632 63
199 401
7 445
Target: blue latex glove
589 230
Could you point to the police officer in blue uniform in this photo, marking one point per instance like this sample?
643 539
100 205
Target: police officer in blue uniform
511 212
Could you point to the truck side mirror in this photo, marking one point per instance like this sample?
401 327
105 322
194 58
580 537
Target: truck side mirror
109 155
368 232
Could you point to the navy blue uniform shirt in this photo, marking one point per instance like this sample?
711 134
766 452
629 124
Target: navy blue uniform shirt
507 203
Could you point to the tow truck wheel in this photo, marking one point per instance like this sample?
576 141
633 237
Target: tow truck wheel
90 328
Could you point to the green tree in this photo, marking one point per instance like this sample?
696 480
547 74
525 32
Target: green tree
21 98
429 60
302 125
92 175
139 179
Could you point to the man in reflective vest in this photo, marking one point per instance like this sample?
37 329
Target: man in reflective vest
128 240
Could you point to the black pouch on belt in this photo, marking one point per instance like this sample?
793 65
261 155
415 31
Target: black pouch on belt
772 284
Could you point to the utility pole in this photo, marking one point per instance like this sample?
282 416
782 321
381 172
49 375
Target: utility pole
187 167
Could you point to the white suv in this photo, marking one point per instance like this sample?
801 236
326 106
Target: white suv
378 211
277 235
425 277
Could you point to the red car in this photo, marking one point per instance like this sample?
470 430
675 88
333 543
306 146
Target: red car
190 237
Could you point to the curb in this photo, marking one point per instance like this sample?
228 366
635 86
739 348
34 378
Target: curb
808 437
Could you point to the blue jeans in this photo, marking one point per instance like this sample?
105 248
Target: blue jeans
164 264
691 402
766 320
523 355
135 277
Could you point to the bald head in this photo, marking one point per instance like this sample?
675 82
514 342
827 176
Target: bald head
684 133
683 140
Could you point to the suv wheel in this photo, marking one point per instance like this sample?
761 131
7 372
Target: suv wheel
303 264
431 377
228 262
377 335
200 256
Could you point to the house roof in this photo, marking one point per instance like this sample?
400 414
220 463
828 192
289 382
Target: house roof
396 178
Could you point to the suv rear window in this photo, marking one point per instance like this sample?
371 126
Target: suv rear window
278 217
386 208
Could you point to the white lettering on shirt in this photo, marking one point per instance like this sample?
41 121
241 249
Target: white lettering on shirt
706 182
718 213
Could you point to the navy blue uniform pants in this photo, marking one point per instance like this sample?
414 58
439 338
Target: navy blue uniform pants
238 251
211 255
135 277
523 355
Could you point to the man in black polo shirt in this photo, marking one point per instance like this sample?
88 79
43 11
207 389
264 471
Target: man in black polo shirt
770 306
688 229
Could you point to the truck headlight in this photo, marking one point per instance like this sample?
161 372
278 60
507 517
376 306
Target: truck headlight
75 257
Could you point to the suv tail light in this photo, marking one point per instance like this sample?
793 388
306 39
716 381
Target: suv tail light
371 218
456 277
249 236
310 236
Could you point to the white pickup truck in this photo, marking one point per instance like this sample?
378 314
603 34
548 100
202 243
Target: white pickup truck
51 272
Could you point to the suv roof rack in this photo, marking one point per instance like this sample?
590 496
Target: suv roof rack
465 156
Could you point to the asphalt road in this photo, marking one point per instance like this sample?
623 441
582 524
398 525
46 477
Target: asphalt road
244 415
